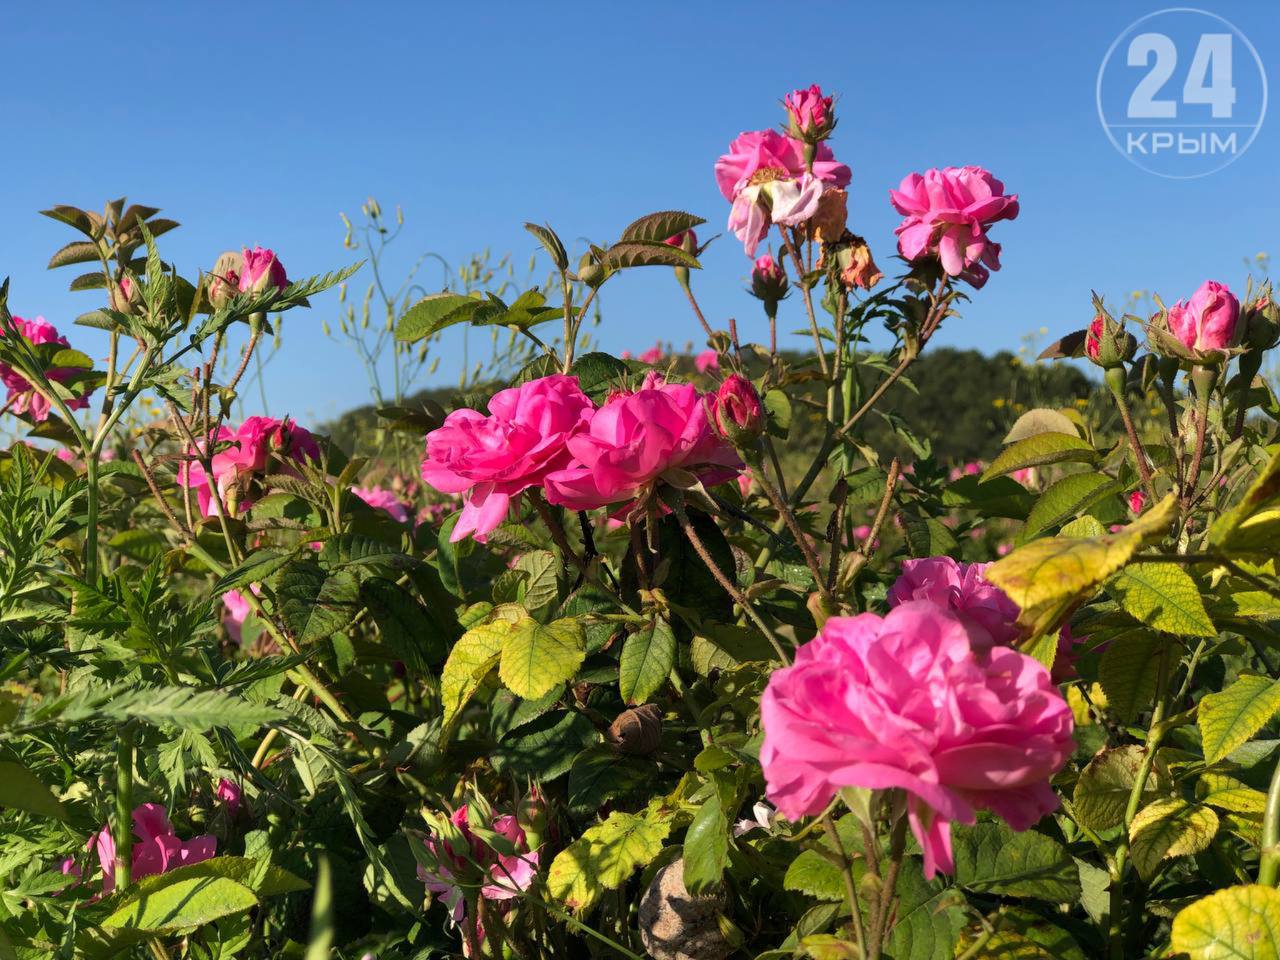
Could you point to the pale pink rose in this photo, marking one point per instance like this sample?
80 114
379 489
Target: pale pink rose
261 271
948 213
1209 322
1024 476
626 354
1004 549
652 355
961 588
706 361
762 817
241 458
492 459
22 396
634 439
381 498
910 702
763 175
809 114
156 848
230 795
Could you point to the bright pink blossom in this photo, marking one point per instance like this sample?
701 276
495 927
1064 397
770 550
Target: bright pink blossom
1209 322
156 849
634 439
948 213
706 361
961 588
381 498
261 271
652 355
809 114
736 410
1137 501
910 702
1093 338
22 397
230 795
241 458
492 459
235 610
505 875
678 239
764 176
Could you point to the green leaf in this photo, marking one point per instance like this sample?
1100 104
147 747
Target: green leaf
20 789
1128 673
182 904
545 747
927 536
1102 792
660 226
605 856
139 544
598 374
647 659
472 658
536 657
1251 524
551 243
434 313
815 875
599 774
1039 450
1228 793
403 624
1039 420
1230 717
542 587
929 919
706 847
637 253
1066 498
1169 828
991 858
1239 922
256 568
1164 597
999 497
1047 578
777 406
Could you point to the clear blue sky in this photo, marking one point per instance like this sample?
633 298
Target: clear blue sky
257 125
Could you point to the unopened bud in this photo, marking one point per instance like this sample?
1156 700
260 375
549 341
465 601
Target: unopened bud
736 411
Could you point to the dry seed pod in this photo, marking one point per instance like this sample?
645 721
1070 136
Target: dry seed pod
637 731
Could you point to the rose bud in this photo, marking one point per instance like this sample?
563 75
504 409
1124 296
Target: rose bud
261 271
809 115
736 411
1208 324
1261 321
769 283
1107 344
224 279
686 240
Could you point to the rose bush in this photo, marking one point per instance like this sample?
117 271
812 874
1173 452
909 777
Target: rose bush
665 656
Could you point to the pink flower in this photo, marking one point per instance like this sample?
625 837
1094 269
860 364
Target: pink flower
736 410
678 239
1093 339
961 588
157 848
634 439
504 875
382 499
492 459
707 360
948 213
236 609
910 702
260 271
1024 476
768 281
764 176
652 355
809 115
1209 322
744 482
241 458
23 398
1137 501
229 795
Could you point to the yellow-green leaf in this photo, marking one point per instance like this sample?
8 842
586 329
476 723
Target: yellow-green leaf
1102 792
1239 923
1039 420
1048 577
646 662
1230 717
1228 793
536 657
605 856
1127 672
1039 450
1169 828
189 902
1164 597
470 660
1231 530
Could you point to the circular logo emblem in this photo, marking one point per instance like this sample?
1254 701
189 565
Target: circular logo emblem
1182 93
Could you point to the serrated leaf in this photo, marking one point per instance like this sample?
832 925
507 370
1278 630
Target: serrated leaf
992 858
599 774
182 904
1166 829
403 624
1049 577
434 313
472 658
636 253
648 656
1230 717
1039 420
551 243
604 857
542 587
706 847
814 875
1164 597
929 920
1066 498
1128 673
537 657
1248 524
1240 922
660 226
1102 792
1039 450
1228 793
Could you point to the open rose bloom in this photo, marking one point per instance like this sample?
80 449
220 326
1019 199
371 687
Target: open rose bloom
1208 324
22 397
241 457
912 702
156 848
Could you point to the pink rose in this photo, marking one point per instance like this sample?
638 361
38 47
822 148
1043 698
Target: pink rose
652 355
910 702
678 239
1209 322
492 459
240 460
229 795
505 875
961 588
157 848
948 213
769 282
764 176
809 114
634 439
744 482
1137 501
1093 338
382 499
22 397
261 270
706 361
736 410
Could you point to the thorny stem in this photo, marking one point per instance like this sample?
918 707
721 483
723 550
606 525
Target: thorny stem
864 551
697 311
850 886
807 295
789 517
1139 454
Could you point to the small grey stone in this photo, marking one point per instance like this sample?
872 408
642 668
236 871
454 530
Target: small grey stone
676 925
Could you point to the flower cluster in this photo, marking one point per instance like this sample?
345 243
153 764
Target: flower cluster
240 459
547 433
157 848
23 397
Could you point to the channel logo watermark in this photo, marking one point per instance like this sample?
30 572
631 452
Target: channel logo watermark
1182 93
